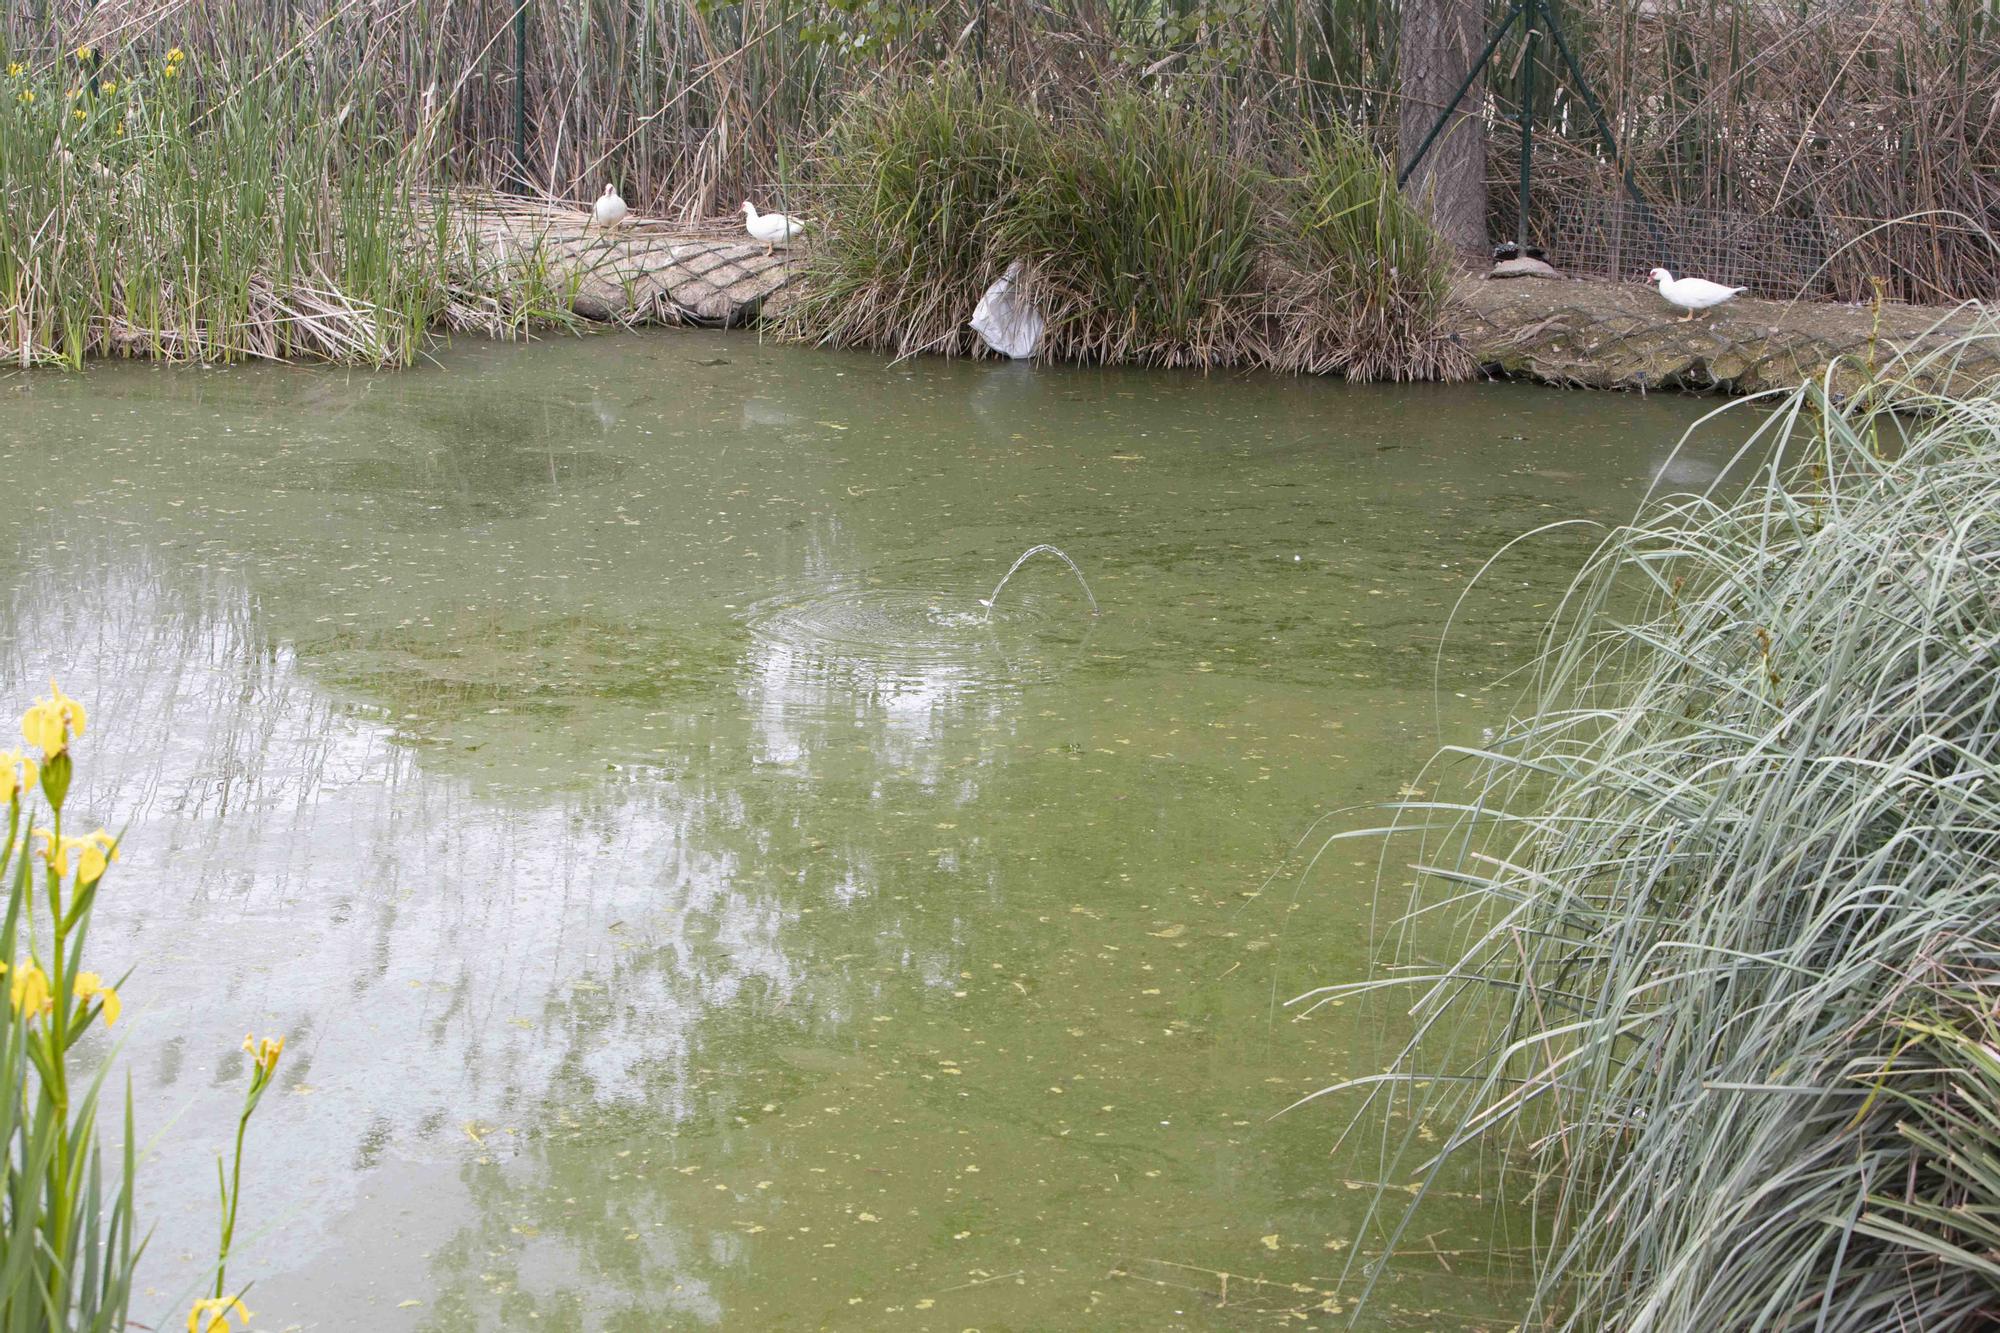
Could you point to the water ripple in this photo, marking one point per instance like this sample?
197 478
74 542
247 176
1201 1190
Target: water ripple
922 641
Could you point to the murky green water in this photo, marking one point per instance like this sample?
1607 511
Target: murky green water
683 909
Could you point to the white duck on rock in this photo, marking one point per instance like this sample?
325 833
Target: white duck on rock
609 210
1692 294
773 229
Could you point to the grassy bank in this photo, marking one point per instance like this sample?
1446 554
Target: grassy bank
154 207
161 205
1727 1008
1147 236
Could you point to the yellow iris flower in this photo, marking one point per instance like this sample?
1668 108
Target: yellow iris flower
90 986
29 991
110 87
17 774
265 1052
16 69
92 853
99 849
211 1314
175 56
27 95
83 53
55 850
51 722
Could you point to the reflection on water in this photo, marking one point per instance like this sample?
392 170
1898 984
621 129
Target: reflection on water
684 908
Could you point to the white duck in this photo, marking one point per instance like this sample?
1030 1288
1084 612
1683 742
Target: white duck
1692 294
773 229
609 210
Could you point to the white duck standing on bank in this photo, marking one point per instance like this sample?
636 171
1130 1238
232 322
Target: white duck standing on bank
773 229
609 210
1692 294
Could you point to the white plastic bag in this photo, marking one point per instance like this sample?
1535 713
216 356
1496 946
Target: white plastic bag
1007 323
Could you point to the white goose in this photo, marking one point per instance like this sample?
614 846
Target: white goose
1692 294
773 229
609 210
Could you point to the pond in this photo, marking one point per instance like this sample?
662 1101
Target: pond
688 906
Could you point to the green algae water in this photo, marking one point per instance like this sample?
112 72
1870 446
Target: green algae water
688 908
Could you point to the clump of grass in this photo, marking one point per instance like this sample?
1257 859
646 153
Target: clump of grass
249 211
1146 236
1734 880
1143 232
1941 1088
1365 279
915 179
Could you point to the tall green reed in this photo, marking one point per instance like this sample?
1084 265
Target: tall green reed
1731 888
253 210
1941 1086
1823 114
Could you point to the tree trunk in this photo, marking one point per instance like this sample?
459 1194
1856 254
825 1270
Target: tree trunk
1437 45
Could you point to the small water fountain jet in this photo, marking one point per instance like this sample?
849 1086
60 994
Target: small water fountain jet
1027 555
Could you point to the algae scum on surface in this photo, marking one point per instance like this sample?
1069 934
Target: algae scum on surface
684 909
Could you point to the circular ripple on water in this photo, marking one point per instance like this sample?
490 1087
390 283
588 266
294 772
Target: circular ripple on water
881 636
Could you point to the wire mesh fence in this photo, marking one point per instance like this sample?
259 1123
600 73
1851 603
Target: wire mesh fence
1822 257
1613 237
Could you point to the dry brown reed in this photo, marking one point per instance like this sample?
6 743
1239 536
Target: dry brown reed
1827 118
